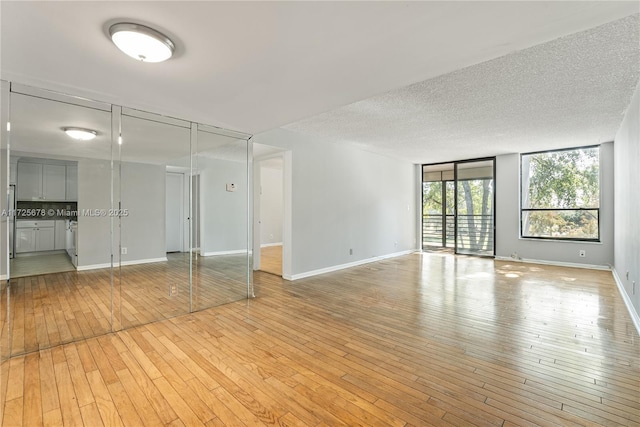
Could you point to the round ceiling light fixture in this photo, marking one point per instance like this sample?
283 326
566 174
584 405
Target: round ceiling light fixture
141 42
80 134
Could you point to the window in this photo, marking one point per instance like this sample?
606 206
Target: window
560 196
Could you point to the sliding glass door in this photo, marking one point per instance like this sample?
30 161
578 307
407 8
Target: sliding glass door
474 200
458 201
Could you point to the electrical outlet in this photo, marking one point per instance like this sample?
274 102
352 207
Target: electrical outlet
231 187
583 253
173 290
123 251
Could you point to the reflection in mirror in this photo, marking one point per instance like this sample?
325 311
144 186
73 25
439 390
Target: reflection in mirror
220 199
153 191
58 186
4 221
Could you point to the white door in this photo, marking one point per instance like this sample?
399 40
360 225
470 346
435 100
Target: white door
174 211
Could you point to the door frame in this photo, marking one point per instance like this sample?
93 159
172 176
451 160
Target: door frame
287 229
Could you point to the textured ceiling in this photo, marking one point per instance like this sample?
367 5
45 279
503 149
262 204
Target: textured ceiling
254 66
572 91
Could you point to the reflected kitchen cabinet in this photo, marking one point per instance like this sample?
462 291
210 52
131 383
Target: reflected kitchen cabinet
72 183
29 181
37 181
34 236
40 181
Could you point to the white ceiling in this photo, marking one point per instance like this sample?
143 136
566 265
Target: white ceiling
254 66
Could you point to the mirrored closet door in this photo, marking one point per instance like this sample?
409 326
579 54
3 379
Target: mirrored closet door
114 217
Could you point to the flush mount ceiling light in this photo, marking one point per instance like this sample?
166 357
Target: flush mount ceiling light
80 134
141 42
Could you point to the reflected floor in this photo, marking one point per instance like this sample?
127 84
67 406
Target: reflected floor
53 309
33 265
271 260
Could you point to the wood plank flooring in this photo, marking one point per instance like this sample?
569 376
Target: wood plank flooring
53 309
271 259
419 340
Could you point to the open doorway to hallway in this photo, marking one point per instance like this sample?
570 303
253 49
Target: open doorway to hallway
271 214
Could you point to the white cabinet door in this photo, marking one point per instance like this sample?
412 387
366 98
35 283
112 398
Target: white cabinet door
45 239
72 184
29 181
54 182
25 240
60 239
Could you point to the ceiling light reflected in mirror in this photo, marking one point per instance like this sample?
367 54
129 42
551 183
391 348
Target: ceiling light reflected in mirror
80 134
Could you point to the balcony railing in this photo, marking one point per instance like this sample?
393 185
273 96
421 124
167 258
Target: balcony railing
475 232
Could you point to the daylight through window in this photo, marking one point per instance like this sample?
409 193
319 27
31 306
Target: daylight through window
560 196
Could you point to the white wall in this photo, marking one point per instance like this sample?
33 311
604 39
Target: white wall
143 194
508 239
627 206
271 205
94 232
223 214
343 199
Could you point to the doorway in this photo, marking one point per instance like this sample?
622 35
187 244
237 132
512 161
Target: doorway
271 214
458 200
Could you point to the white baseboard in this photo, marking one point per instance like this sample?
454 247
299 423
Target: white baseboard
3 277
234 252
123 263
266 245
555 263
635 318
343 266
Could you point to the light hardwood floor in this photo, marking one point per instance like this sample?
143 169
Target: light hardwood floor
271 260
412 341
53 309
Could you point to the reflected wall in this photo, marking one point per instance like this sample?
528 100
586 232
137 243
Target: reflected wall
147 220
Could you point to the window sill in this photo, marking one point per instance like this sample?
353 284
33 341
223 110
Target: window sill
581 242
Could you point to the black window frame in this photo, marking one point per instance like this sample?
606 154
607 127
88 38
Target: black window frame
562 239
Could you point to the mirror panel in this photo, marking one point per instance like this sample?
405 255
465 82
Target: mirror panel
147 220
220 198
59 245
152 187
5 346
